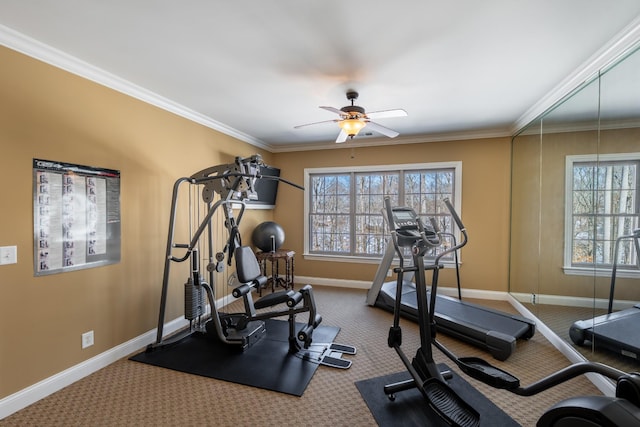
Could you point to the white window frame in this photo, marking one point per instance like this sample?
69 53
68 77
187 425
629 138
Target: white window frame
457 201
596 270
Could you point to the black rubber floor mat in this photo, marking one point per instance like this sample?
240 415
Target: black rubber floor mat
411 409
267 364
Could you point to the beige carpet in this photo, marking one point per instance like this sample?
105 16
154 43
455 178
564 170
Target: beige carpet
128 393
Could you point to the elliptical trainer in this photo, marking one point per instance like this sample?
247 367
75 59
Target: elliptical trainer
407 230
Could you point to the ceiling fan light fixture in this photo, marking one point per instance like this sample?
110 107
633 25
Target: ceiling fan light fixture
351 126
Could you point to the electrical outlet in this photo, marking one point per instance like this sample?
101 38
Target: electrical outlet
533 299
87 339
390 272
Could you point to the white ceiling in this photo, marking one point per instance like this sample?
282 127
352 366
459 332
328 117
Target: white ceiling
255 68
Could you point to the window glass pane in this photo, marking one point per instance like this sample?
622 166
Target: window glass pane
371 188
345 209
425 190
582 228
369 235
412 183
583 177
445 182
604 207
583 202
582 252
601 178
343 203
362 203
429 182
412 200
600 252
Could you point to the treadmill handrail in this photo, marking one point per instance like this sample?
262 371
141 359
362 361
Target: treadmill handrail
635 235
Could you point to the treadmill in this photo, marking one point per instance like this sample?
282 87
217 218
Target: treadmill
616 332
493 330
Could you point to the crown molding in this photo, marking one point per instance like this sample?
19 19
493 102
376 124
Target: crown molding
52 56
621 44
402 140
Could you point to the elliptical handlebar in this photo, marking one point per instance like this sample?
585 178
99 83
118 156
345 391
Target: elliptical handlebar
454 214
461 227
389 219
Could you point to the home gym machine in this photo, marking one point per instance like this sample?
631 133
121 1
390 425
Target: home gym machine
487 328
408 231
617 332
234 184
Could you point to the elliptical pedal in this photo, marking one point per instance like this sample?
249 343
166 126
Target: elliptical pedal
449 405
335 362
342 348
328 354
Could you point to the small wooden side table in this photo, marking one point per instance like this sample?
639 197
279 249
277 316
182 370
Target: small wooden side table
274 258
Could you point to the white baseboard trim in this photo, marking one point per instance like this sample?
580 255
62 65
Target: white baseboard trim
44 388
362 284
338 283
572 301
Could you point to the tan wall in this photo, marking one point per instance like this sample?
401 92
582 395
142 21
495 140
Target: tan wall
50 114
485 205
539 209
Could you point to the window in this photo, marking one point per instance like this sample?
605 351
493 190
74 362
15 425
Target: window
343 207
602 204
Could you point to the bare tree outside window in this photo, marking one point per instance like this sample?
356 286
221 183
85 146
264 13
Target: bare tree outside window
604 206
345 208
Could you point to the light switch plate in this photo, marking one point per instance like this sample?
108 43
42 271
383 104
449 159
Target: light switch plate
8 255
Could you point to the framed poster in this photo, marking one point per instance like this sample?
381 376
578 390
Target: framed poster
76 216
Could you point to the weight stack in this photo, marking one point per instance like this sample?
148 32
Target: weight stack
193 300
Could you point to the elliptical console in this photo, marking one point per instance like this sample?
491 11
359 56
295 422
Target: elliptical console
409 228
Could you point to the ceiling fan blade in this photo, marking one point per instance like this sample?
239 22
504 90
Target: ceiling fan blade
342 136
387 113
316 123
333 110
383 130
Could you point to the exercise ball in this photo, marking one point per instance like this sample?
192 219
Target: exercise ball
268 236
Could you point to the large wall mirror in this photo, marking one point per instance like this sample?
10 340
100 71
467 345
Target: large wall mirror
575 210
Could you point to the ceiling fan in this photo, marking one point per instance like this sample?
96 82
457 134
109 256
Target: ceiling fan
353 118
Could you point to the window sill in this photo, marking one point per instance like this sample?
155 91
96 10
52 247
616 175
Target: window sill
601 272
342 258
359 260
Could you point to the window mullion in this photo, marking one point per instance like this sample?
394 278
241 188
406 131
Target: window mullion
367 233
352 214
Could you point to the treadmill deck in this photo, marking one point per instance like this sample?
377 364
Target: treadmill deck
482 326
